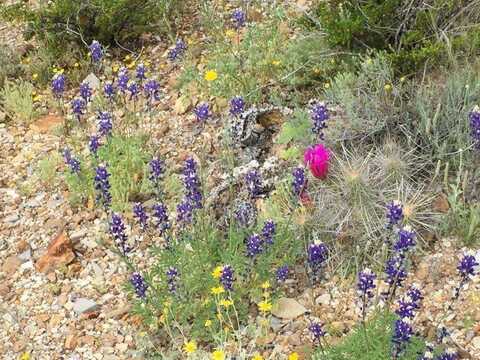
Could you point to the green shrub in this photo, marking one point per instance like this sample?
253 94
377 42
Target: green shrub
108 21
17 100
410 35
9 64
374 342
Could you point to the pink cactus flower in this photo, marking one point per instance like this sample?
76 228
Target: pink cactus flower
317 159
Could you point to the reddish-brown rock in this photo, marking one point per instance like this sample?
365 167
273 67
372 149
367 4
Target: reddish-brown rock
11 264
59 252
47 123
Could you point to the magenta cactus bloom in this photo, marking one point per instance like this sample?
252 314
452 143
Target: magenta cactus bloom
317 159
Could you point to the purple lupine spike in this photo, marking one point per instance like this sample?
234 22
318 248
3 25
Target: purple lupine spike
319 115
268 231
123 79
238 18
467 266
117 230
299 182
133 89
317 256
109 90
394 213
474 118
139 284
140 72
160 213
140 214
237 105
254 245
102 185
172 278
202 112
152 90
58 85
282 273
246 214
227 277
316 329
177 52
96 51
78 107
406 240
71 162
402 334
105 123
94 144
85 91
253 182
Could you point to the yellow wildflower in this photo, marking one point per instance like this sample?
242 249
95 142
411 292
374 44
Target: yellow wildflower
131 65
190 347
293 356
25 356
211 75
37 98
316 70
217 290
387 87
217 272
218 355
276 62
115 68
34 76
402 79
208 323
264 306
230 33
265 285
326 85
226 303
257 357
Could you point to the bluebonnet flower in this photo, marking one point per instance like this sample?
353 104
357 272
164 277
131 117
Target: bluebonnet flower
94 144
474 118
428 354
449 354
104 123
406 239
58 85
238 18
96 51
140 72
467 266
172 277
410 303
109 90
140 214
160 213
254 245
268 232
246 214
396 273
123 79
184 212
102 185
402 333
157 170
71 162
152 90
317 255
202 111
366 283
191 181
316 329
237 105
299 181
117 230
178 51
319 115
394 213
139 285
415 295
78 107
227 277
133 89
85 91
253 182
282 273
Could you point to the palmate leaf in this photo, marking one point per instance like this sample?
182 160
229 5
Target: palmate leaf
296 129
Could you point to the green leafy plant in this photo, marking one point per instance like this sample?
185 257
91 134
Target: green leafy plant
17 101
9 64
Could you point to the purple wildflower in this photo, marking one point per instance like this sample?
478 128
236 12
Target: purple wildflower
268 232
202 112
227 277
316 329
140 214
409 304
157 170
85 91
474 118
246 214
94 144
172 277
394 213
184 212
139 285
317 255
299 182
449 354
104 123
319 115
237 105
366 284
282 273
253 182
109 90
402 333
117 230
96 51
191 181
238 18
71 162
140 72
133 89
405 241
254 245
177 51
152 90
58 85
102 185
467 266
123 79
78 107
160 213
395 271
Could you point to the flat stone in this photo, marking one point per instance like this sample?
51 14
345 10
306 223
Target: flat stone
93 81
78 235
287 308
83 305
25 256
476 342
59 252
11 264
11 219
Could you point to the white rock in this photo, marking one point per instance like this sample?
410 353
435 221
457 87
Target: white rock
93 81
82 305
287 308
